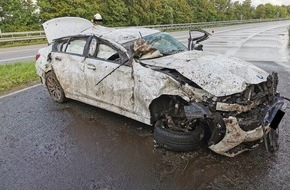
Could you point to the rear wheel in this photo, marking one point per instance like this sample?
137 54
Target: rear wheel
54 88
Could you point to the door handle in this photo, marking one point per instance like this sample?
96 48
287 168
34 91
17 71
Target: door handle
58 58
92 67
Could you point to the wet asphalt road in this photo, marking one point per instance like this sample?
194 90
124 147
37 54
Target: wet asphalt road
46 145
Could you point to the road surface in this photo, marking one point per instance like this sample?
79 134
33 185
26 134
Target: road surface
18 54
46 145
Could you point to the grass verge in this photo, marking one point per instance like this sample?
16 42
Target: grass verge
17 76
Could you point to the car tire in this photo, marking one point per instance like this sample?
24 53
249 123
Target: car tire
177 141
54 88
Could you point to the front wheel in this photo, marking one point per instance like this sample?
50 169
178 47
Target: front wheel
54 88
177 140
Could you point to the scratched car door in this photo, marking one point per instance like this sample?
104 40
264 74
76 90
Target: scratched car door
108 87
68 65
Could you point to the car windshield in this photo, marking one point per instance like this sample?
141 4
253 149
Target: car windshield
165 43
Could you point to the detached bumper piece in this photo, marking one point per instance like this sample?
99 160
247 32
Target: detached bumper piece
237 140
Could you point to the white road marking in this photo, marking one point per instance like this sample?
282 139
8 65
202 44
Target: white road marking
17 51
22 90
18 58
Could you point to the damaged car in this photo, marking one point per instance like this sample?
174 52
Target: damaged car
189 96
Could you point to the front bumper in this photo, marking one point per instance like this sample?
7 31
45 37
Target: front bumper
235 136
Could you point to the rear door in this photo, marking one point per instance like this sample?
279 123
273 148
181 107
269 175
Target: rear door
68 65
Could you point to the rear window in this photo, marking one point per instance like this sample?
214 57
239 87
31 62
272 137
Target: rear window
76 46
60 45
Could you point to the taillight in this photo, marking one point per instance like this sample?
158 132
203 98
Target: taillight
37 56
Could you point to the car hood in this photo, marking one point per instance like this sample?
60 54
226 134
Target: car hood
65 26
217 74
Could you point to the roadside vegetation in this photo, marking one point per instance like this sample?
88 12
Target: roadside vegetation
18 75
28 15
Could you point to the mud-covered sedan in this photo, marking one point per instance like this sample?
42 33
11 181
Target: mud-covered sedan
190 97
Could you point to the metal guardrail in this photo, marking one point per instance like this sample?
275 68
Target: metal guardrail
209 24
33 35
21 36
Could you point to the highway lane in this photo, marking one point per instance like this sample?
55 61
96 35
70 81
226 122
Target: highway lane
251 42
46 145
17 54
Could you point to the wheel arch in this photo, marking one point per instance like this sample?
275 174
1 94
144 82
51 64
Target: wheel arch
163 104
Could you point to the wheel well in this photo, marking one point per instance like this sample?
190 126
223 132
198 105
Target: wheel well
45 74
166 105
51 70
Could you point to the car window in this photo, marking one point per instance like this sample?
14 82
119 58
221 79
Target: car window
60 45
165 43
162 42
107 53
63 47
76 46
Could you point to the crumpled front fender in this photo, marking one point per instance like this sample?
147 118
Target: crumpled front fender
235 135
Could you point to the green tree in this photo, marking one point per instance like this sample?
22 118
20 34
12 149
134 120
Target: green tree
181 11
260 12
237 11
288 10
155 14
270 11
49 9
25 15
247 9
203 10
166 13
114 12
281 11
231 11
18 15
137 12
222 7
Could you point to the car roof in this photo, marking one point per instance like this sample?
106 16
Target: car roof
119 35
61 27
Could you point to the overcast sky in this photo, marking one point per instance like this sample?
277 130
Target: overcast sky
273 2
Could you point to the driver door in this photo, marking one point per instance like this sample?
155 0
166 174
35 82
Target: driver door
106 83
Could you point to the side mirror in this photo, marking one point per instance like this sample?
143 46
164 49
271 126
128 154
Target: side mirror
195 38
198 47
